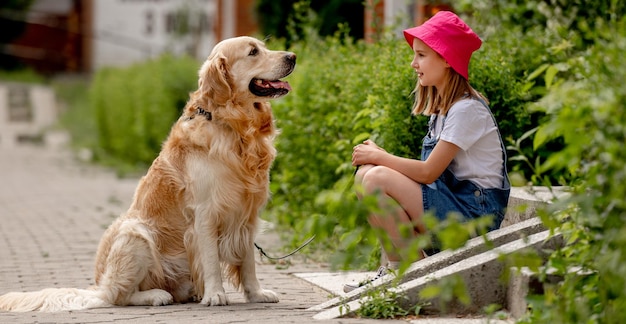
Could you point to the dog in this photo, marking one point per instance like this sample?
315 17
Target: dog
194 214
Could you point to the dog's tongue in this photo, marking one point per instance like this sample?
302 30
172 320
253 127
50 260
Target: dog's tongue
279 84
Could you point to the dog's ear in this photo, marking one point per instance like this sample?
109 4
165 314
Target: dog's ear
215 80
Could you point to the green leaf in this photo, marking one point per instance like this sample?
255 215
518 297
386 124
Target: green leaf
537 72
550 74
359 138
430 292
542 135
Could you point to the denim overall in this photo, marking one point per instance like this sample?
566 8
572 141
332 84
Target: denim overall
449 194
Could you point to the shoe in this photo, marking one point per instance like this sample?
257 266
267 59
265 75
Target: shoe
382 271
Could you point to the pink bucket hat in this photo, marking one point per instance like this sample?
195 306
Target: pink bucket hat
449 36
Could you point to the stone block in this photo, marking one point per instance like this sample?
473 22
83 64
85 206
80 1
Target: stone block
26 112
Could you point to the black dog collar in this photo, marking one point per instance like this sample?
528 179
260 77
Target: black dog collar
201 111
206 114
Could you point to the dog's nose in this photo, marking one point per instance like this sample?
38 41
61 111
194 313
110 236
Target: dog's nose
291 57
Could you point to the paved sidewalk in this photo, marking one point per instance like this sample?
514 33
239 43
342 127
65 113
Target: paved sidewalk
53 211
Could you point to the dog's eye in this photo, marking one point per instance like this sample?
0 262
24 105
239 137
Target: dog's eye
253 52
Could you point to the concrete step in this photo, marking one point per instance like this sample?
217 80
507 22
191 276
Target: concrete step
481 274
475 246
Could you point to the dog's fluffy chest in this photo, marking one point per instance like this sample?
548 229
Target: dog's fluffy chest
234 176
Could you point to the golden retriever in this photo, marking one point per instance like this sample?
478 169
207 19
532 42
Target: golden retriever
196 209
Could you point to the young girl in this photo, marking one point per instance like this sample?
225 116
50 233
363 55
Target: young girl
463 161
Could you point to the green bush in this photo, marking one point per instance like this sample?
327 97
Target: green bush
136 106
587 112
579 18
76 113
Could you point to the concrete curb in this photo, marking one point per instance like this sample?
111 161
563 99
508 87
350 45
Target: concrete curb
448 257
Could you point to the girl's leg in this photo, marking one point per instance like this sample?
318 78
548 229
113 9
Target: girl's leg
391 184
358 177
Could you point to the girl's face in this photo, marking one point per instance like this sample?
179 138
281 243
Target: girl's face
430 67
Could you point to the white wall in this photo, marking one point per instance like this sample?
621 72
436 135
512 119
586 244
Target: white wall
127 31
399 15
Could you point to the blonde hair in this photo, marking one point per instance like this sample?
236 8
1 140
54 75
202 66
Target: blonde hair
429 101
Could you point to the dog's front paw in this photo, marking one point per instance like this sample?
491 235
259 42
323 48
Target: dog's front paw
152 297
216 299
262 296
161 298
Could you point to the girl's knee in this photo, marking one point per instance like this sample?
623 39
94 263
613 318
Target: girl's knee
361 171
376 178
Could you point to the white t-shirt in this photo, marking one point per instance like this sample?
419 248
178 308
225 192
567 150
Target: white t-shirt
470 126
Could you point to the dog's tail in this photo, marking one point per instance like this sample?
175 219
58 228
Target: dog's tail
52 300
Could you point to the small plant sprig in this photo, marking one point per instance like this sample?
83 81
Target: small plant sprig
382 303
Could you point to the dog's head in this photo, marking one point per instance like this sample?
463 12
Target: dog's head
243 69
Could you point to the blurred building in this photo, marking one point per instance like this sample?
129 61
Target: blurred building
119 32
50 38
84 35
399 14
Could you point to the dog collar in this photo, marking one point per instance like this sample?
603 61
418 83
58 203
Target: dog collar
201 111
206 114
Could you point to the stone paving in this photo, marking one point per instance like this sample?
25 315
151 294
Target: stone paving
53 210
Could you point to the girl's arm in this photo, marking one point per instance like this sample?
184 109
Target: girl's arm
420 171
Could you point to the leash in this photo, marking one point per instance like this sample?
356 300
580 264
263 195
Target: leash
284 256
262 253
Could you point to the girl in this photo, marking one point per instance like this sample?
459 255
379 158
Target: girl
463 162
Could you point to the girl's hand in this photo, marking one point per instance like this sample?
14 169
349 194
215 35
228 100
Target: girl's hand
370 142
366 153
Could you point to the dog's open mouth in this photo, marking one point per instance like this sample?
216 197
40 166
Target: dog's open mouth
267 88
